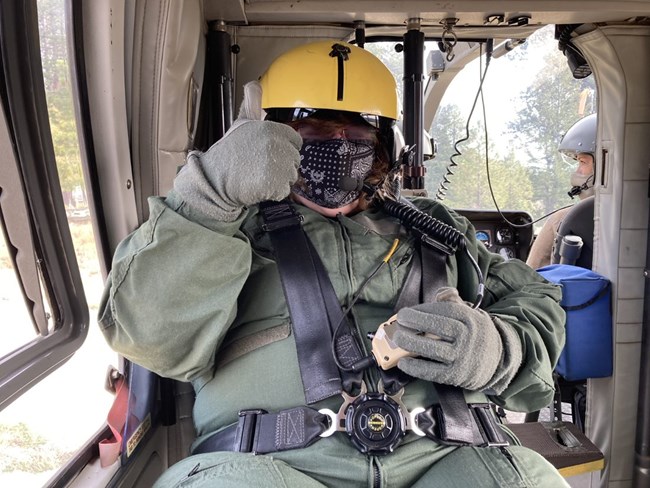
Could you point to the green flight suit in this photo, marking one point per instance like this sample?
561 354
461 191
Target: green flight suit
201 301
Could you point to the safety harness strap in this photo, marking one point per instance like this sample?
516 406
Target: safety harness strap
428 273
482 427
260 432
314 308
316 314
347 348
456 424
412 288
434 272
318 371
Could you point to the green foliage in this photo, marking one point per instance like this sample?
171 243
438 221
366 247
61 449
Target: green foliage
59 93
470 185
447 131
23 450
84 243
531 176
551 105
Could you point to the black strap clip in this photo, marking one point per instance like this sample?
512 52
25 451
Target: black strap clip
469 424
492 434
246 429
279 215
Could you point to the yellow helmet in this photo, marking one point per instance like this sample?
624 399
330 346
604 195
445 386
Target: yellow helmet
330 75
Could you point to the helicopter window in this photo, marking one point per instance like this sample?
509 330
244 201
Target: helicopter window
35 447
529 99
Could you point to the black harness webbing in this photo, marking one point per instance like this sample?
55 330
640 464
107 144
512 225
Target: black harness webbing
434 272
261 432
411 293
428 273
316 313
314 308
454 422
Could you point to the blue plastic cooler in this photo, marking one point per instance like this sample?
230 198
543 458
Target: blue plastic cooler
586 298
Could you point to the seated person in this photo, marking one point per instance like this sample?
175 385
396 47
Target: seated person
579 143
196 294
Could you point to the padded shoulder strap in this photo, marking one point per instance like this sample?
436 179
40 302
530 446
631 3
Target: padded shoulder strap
314 308
428 273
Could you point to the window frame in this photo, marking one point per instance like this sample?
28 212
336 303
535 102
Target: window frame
23 99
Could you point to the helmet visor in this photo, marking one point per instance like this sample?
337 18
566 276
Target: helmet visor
292 114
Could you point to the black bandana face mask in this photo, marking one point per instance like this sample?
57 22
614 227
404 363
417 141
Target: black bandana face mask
323 164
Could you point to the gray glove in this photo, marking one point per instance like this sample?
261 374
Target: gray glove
474 350
254 161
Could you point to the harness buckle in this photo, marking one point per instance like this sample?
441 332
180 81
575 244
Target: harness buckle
278 215
281 223
481 430
492 435
375 422
245 434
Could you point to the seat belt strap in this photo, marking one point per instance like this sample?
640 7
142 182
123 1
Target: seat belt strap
434 272
428 273
260 432
483 429
318 371
314 308
411 293
456 423
347 348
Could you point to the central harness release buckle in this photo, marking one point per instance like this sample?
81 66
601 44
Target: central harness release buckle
375 422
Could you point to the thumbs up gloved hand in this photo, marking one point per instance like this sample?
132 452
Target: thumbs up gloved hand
475 351
254 161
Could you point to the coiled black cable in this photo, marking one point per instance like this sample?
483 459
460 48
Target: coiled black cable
435 233
443 185
412 217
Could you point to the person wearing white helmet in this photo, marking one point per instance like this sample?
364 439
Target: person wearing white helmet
578 144
270 305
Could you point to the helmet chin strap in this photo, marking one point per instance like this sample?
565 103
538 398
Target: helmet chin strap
576 190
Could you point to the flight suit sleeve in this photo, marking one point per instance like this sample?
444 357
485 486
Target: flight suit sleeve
542 248
172 291
518 295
